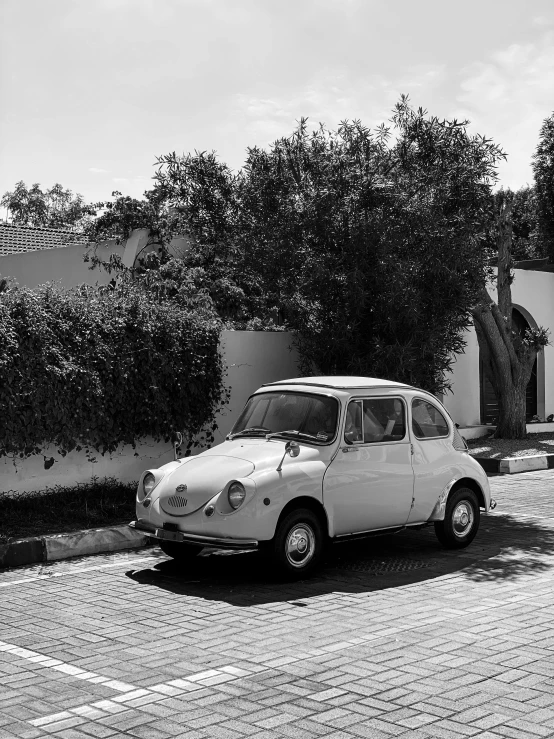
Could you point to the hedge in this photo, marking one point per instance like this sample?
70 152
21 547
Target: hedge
98 367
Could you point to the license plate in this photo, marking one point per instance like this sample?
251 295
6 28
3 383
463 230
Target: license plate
169 535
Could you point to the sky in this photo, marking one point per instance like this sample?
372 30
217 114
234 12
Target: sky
93 91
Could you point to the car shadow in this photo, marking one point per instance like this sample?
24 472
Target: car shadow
506 549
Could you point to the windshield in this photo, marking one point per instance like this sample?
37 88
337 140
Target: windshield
298 415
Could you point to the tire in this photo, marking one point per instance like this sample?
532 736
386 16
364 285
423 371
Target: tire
461 520
179 552
298 545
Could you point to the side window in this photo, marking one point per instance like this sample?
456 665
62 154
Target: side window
353 427
384 419
374 420
427 421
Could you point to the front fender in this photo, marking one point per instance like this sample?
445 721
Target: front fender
276 489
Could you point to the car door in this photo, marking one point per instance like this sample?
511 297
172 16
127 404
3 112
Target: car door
433 457
369 483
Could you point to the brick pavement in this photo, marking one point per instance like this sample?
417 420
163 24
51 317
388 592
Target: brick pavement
396 637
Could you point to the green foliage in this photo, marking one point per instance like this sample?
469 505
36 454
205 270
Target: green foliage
201 194
53 208
371 246
543 170
100 367
526 239
527 242
373 243
205 202
119 217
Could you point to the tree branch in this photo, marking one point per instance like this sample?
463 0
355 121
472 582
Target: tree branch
504 244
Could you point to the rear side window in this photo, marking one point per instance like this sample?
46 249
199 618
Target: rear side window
375 419
427 421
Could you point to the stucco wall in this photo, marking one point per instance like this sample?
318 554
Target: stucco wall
463 403
534 293
252 357
64 264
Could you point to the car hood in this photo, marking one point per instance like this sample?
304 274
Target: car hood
194 482
263 454
201 477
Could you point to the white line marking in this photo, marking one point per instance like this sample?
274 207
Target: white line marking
128 692
75 571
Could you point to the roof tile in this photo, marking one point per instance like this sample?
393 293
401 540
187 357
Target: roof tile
19 239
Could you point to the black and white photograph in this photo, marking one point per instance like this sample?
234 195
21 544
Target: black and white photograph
276 369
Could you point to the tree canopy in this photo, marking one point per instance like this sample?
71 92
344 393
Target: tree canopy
370 244
55 207
543 170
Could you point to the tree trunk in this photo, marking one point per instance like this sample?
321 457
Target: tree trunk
509 379
507 361
511 406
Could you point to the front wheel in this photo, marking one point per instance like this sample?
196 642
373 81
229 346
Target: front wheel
298 544
179 552
461 520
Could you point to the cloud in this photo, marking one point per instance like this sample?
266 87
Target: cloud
541 20
508 97
332 98
97 170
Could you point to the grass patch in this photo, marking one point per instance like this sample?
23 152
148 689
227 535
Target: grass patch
57 510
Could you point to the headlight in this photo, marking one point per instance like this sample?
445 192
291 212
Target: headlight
148 483
236 495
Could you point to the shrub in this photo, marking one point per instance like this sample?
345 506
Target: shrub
99 367
85 505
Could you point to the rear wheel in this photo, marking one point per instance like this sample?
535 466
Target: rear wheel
298 544
461 520
179 552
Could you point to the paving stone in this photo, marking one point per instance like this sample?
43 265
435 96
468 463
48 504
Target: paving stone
460 647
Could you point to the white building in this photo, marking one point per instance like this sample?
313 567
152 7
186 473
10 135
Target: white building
472 400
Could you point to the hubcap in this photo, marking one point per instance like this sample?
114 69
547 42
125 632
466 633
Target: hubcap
300 545
462 519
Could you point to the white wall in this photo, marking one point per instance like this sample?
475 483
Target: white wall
463 402
65 263
252 357
534 292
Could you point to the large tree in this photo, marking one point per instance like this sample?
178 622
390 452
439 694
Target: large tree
375 247
55 207
543 170
508 355
527 241
370 244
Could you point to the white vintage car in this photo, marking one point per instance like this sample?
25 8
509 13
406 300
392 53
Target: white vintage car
313 460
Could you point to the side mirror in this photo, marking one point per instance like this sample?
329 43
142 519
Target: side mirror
292 448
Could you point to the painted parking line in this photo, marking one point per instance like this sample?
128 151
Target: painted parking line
128 693
78 570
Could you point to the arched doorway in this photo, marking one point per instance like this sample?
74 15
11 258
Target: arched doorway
489 403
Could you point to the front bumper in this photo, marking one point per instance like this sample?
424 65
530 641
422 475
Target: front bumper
182 537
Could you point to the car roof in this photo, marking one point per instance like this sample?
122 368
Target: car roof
341 382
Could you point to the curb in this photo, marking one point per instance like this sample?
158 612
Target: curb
511 465
115 538
75 544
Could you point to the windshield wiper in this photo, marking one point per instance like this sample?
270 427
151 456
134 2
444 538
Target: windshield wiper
292 432
252 430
